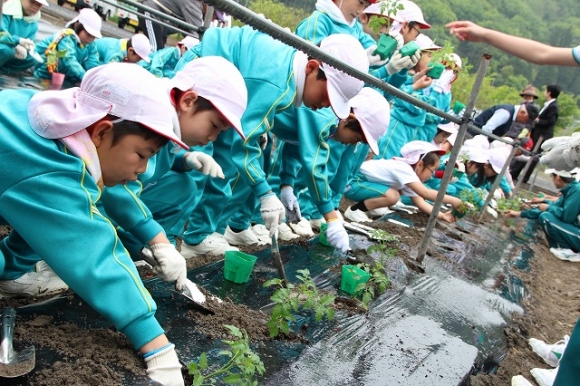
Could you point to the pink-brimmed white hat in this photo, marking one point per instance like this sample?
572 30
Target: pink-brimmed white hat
218 81
189 42
124 90
142 46
91 22
414 151
373 113
342 87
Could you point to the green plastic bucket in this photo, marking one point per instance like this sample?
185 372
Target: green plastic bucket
352 276
322 236
238 266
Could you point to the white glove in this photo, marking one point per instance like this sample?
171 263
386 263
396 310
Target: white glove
27 44
460 167
399 38
414 59
375 60
398 62
337 236
20 52
290 202
491 211
203 163
171 266
164 367
272 211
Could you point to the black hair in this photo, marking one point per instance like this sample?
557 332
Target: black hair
554 90
428 159
200 104
129 44
412 24
567 180
78 28
354 125
532 110
125 128
481 177
320 75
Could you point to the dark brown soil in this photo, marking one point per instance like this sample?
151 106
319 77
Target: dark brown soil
100 356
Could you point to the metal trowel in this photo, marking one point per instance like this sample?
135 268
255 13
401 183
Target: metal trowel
189 289
13 363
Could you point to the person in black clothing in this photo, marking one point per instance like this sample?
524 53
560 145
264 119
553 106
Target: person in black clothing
190 11
543 129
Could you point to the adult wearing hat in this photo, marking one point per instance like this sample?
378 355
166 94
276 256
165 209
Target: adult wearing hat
529 94
498 119
19 26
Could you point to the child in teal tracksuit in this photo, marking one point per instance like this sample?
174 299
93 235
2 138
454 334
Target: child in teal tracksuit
17 34
76 43
132 50
162 62
275 85
306 149
559 218
147 210
60 148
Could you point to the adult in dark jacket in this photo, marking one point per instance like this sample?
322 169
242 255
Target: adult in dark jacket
498 119
543 128
190 11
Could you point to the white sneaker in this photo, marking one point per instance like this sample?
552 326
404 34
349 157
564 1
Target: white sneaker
214 244
550 353
43 283
519 380
356 215
544 377
378 212
566 254
317 223
262 233
245 237
285 233
302 228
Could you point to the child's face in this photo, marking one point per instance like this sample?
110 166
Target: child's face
366 18
488 171
86 38
30 7
558 183
126 159
345 135
351 9
425 172
423 63
315 95
470 168
441 137
410 33
200 128
132 56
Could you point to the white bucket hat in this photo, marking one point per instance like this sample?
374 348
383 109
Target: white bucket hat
562 173
414 151
373 113
449 127
90 20
124 90
498 157
43 2
342 87
475 154
412 12
425 43
479 141
142 46
189 42
218 81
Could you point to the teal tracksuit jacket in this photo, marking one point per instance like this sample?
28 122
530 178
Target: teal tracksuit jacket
11 31
440 100
53 206
271 89
560 221
163 62
111 50
78 60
